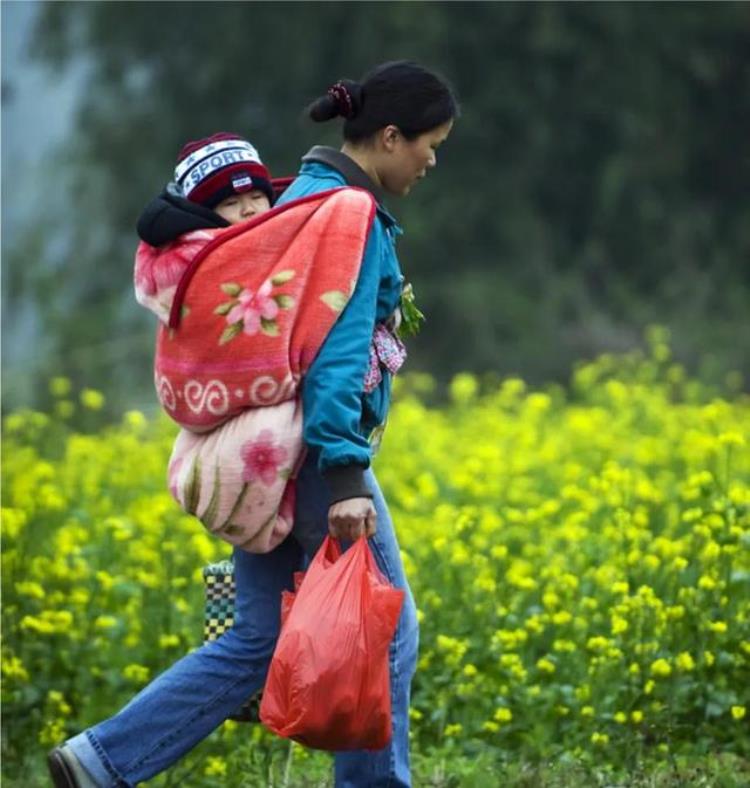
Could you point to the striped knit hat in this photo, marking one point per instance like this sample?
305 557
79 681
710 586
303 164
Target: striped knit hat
212 169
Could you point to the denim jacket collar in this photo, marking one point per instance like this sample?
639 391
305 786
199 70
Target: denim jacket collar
352 173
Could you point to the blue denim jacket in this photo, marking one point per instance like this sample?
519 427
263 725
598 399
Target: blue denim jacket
338 415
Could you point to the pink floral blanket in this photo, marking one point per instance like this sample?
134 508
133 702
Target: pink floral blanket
243 312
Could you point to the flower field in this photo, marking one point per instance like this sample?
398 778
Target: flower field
580 559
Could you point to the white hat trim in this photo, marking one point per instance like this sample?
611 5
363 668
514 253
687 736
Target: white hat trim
212 157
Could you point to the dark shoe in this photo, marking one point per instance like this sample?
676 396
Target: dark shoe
60 769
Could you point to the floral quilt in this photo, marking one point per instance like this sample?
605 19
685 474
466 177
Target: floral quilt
243 312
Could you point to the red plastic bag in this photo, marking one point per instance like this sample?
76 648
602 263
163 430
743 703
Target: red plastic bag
328 685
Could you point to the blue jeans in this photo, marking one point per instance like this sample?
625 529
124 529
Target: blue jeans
194 696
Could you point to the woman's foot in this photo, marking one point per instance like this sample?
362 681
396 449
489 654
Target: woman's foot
66 770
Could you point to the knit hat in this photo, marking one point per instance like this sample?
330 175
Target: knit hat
216 167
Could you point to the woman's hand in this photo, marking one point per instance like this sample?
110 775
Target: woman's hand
351 518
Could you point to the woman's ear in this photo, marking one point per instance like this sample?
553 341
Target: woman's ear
390 136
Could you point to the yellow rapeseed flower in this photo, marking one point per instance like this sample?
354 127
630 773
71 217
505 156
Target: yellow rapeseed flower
463 388
215 767
598 643
503 715
619 625
56 700
52 732
732 438
105 580
92 399
684 661
49 622
135 420
13 668
59 386
545 665
105 622
30 588
620 587
691 515
64 409
136 673
13 521
710 552
679 563
661 668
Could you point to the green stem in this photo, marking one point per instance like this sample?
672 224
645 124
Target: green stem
209 515
237 505
288 765
193 491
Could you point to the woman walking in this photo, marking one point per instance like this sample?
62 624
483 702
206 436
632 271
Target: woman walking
394 121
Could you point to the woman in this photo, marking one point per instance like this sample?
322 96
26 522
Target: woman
395 119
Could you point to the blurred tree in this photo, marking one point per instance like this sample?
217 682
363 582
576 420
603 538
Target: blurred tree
597 181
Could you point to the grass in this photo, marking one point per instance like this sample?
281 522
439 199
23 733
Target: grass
286 765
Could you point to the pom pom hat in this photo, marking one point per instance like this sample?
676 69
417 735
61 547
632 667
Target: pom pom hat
216 167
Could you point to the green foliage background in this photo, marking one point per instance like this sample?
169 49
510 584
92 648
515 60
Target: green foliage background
596 182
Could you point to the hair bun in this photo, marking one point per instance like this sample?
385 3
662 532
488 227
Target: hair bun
343 98
348 97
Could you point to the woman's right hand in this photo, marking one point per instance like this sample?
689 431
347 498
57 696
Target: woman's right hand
351 518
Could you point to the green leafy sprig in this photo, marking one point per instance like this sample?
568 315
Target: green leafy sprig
411 316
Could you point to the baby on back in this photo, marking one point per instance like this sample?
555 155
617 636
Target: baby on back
219 181
224 173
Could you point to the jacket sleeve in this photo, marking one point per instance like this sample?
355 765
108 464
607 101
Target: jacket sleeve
333 386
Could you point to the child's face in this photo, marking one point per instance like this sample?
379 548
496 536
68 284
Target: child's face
241 207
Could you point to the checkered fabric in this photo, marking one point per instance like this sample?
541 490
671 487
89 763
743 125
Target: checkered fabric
219 617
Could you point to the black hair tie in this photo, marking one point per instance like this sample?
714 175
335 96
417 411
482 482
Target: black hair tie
345 101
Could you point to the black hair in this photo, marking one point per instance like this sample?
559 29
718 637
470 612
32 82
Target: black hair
399 92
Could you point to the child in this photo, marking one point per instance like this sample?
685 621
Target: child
219 181
224 173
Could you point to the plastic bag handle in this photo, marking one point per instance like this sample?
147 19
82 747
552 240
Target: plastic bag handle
371 563
332 549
